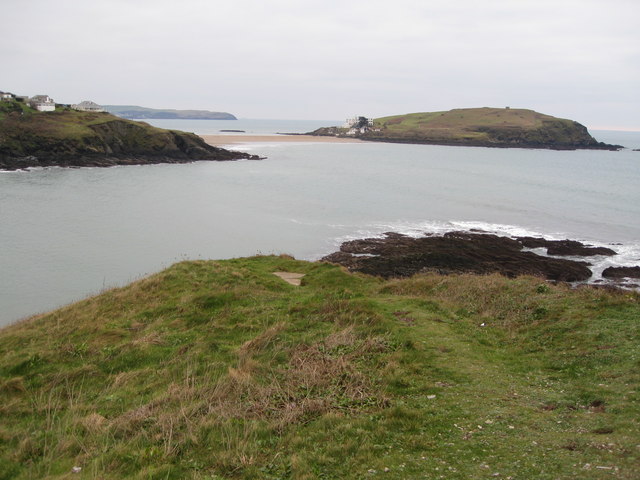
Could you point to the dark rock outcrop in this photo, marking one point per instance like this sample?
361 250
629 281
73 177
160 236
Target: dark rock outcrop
564 247
621 272
456 252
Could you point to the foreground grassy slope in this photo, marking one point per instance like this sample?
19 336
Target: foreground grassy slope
219 369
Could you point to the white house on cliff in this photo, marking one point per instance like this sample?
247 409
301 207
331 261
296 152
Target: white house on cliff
42 103
358 125
87 106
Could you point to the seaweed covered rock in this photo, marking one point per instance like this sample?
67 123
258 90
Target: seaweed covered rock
621 272
398 255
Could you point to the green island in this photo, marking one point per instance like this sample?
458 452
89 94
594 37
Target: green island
72 138
222 370
484 127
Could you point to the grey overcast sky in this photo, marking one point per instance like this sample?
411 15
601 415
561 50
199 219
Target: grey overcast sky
297 59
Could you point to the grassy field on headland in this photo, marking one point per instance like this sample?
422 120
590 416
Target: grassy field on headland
62 124
486 127
221 370
455 124
70 138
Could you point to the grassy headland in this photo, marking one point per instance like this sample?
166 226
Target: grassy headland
491 127
67 137
219 369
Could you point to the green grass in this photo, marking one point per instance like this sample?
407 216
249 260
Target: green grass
64 123
465 118
13 106
479 125
69 133
220 370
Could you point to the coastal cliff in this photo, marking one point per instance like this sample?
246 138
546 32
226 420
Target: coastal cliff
484 127
70 138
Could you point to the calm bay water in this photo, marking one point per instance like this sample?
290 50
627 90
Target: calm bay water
248 126
69 233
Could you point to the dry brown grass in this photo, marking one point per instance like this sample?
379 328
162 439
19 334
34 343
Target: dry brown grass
260 342
13 385
344 337
152 338
131 421
93 423
130 377
315 380
239 377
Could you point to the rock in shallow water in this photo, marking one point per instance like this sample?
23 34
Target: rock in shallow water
456 252
565 247
621 272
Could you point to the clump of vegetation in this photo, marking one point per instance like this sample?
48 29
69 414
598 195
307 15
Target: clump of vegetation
219 369
14 107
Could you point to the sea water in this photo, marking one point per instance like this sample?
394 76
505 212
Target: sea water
247 126
69 233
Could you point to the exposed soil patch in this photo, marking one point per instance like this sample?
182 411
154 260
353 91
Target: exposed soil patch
289 277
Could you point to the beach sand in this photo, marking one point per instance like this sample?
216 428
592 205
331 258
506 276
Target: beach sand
217 140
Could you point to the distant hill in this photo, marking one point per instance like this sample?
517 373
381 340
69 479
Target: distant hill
135 112
486 127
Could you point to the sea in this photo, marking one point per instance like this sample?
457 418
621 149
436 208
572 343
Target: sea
66 234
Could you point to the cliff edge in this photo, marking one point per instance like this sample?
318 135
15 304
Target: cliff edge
70 138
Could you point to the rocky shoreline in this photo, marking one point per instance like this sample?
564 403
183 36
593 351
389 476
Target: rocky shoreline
398 255
111 160
80 139
492 144
502 143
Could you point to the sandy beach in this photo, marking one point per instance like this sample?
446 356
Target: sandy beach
217 140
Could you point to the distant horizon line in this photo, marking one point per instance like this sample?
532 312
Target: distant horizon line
615 129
